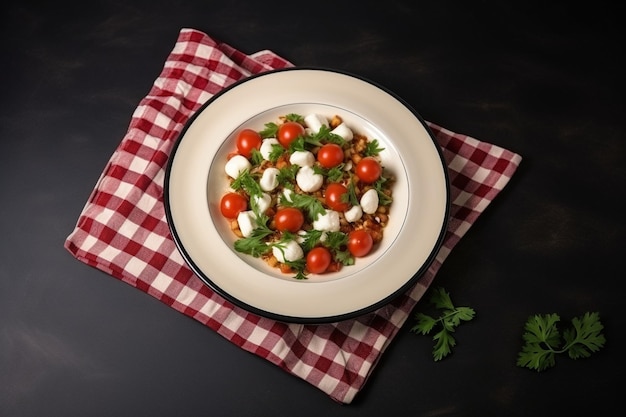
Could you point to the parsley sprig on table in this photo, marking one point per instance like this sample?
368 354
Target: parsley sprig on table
543 340
450 318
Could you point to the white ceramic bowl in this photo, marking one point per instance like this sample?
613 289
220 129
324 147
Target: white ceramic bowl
195 182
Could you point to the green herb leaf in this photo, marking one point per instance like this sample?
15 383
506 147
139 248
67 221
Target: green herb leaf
254 245
383 199
287 175
247 182
311 238
542 340
449 319
373 148
294 117
276 152
335 174
352 198
270 131
308 203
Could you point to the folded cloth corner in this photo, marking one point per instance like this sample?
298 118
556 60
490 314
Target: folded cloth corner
122 229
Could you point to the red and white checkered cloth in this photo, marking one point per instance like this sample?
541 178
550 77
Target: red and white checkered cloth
122 229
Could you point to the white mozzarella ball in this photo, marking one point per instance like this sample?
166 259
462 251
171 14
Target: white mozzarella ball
308 180
302 158
328 222
269 179
267 146
289 251
344 131
315 122
353 214
263 202
236 165
369 201
247 222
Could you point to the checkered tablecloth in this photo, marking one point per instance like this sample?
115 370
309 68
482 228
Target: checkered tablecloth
122 229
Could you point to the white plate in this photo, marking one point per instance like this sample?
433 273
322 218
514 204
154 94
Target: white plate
195 181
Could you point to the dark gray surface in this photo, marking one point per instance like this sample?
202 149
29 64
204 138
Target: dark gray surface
544 82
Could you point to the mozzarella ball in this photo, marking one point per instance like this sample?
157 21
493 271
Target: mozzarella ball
236 165
302 158
328 222
369 201
315 122
353 214
308 180
289 251
344 131
263 202
269 179
267 147
247 222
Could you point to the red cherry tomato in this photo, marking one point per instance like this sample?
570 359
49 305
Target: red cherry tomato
288 132
288 219
336 197
232 204
360 243
368 170
318 259
247 140
330 155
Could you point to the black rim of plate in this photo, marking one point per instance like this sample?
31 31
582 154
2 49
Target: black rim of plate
295 319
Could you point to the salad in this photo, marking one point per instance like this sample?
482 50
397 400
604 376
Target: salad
308 194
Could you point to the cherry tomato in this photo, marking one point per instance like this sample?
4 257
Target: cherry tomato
247 140
336 197
360 243
330 155
288 219
368 170
232 204
318 259
288 132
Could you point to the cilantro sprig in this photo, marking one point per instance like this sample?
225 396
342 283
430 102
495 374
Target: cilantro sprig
373 148
543 340
336 242
311 205
254 244
246 181
450 318
383 199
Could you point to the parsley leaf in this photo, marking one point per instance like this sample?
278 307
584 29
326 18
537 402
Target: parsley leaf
306 202
383 199
373 148
543 340
257 157
294 117
276 152
254 244
309 142
351 196
287 175
450 318
311 238
246 181
270 131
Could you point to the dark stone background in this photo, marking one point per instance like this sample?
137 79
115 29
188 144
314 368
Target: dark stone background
543 81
